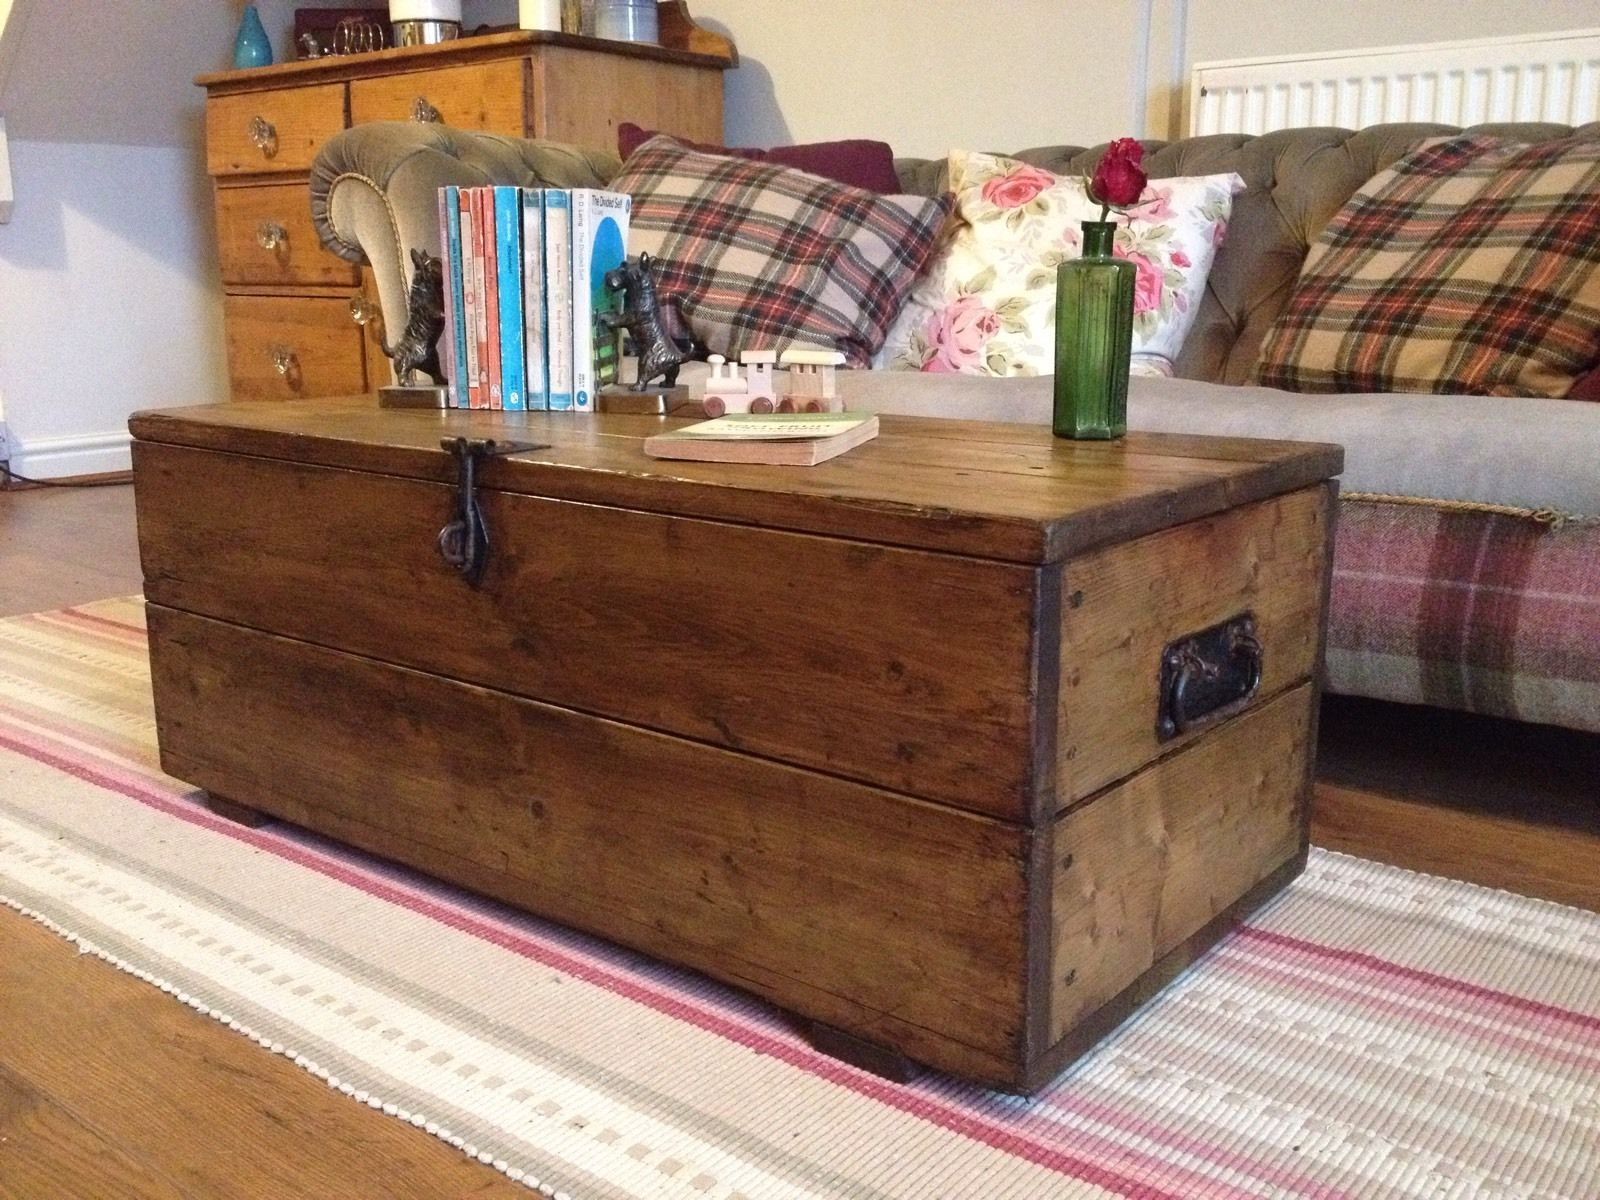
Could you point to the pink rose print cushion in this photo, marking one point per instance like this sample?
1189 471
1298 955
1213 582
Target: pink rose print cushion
986 303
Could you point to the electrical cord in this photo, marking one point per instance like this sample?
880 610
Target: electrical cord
8 476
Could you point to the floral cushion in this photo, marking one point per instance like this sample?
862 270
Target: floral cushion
761 256
987 304
1469 267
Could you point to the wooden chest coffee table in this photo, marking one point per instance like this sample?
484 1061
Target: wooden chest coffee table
920 743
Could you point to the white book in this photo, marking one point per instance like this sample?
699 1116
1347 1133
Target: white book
558 294
599 244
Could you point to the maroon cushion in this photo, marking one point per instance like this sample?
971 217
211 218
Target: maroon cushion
1587 386
856 162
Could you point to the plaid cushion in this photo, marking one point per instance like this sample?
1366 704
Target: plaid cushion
1468 267
764 256
1467 610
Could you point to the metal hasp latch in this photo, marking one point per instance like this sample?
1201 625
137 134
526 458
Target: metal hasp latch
464 542
1208 676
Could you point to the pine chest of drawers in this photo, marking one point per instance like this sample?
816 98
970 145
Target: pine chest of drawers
290 307
958 745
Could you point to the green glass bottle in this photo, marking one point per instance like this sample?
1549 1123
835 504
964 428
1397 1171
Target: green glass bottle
1094 337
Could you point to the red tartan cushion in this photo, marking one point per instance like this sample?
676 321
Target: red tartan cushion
1471 266
855 161
762 257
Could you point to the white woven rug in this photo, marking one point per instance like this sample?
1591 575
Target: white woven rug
1372 1033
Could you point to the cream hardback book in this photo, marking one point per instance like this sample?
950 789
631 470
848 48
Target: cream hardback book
785 439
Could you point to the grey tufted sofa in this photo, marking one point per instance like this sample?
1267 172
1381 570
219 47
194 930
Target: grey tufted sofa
1464 516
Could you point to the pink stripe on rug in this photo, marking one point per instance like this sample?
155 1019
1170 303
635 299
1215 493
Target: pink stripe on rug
1381 966
1461 1024
902 1098
93 622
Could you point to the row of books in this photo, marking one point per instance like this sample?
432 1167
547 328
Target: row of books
524 275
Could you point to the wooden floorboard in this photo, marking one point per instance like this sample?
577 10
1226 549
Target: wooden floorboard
109 1087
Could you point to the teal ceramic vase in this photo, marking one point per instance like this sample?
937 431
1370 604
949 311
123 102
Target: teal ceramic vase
1094 338
252 47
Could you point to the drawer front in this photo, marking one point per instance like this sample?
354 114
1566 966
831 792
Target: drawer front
901 668
900 921
292 348
488 97
265 236
581 95
1123 605
271 132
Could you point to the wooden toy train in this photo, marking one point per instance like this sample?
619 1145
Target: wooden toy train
810 384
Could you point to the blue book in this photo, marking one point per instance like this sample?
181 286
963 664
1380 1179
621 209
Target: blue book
456 346
508 248
535 360
558 294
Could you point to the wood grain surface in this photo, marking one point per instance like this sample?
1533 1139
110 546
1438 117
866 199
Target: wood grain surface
664 96
1006 492
111 1088
299 258
1123 604
489 96
323 342
303 118
1141 867
896 920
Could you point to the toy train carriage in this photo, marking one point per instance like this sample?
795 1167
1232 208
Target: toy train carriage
807 382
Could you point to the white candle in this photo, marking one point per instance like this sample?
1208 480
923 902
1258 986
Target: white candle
425 10
539 14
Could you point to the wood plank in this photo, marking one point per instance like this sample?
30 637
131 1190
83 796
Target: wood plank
486 48
301 120
178 1105
1123 604
902 668
668 97
47 1150
1506 851
1144 865
898 921
906 487
245 213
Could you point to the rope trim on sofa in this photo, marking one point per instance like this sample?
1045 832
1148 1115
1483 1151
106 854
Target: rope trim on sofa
1553 518
388 211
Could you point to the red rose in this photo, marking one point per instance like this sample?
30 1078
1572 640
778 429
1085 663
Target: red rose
1017 188
1119 180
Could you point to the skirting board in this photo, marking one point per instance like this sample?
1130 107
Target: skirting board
57 458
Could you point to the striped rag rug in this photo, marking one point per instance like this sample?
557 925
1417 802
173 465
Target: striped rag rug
1372 1032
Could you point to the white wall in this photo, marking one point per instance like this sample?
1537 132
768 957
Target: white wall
928 75
108 293
1224 29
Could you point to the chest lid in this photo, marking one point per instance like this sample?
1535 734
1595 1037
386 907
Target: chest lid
1015 493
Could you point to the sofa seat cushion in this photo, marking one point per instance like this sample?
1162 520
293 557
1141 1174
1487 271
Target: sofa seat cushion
1472 265
987 305
1521 452
762 257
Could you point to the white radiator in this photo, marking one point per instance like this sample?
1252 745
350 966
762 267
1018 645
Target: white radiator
1538 77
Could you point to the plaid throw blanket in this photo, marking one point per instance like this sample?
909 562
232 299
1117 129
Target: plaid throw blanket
1467 610
1468 267
763 256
